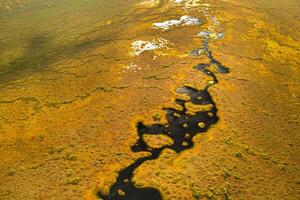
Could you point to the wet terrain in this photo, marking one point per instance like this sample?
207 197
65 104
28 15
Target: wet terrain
149 99
182 126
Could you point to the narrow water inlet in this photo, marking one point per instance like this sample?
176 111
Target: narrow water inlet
182 126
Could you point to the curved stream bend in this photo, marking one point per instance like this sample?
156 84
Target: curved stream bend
182 126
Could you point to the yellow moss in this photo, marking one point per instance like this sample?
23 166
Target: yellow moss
107 177
176 115
121 192
190 113
157 141
175 106
201 124
197 108
108 117
184 144
183 97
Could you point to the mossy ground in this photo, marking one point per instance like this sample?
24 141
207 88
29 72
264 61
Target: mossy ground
69 106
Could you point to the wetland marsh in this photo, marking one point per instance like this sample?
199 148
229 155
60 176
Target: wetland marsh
136 100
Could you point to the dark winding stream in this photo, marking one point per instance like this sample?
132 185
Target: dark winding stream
181 128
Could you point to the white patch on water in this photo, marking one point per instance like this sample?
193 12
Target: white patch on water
132 66
178 1
139 46
214 30
211 35
184 21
